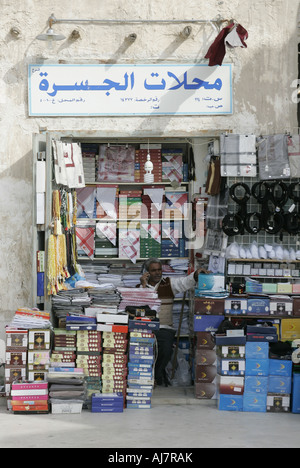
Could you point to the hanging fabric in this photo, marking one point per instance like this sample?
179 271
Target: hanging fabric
294 154
238 155
233 36
273 159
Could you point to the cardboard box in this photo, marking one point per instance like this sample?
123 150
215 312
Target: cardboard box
257 350
230 402
257 367
285 288
269 288
258 306
230 385
278 403
280 367
256 384
211 283
290 329
205 357
296 288
236 306
207 306
38 339
16 339
205 390
205 340
296 306
281 306
278 384
231 366
296 394
207 323
205 373
255 402
225 352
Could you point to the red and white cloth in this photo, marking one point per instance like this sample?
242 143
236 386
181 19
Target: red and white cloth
233 35
85 240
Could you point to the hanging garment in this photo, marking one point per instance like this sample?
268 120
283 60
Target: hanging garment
213 182
273 157
238 155
237 37
217 50
294 154
68 167
232 36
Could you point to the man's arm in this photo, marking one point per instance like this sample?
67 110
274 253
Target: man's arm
180 285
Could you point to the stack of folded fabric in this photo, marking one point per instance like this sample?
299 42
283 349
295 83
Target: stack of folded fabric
172 164
150 240
66 389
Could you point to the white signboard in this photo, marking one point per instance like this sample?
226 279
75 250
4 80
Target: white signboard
157 89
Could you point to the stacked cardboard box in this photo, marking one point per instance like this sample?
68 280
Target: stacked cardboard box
66 389
15 358
205 366
231 371
279 385
151 210
38 354
89 357
114 329
64 348
256 379
140 365
30 397
107 403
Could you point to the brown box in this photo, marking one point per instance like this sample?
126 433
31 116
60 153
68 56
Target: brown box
208 306
205 340
296 306
206 391
205 357
205 373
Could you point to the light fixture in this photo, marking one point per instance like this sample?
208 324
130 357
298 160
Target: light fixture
50 35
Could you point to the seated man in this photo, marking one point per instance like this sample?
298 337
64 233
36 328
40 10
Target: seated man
166 288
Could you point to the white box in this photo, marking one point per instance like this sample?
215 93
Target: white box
246 269
70 407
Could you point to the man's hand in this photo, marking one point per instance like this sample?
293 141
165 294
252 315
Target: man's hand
144 279
200 270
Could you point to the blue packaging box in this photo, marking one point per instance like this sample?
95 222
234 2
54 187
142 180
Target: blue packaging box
236 306
258 306
211 283
256 384
231 366
207 323
296 394
255 402
257 350
278 384
257 367
230 402
280 367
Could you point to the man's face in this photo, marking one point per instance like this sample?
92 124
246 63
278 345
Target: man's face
155 272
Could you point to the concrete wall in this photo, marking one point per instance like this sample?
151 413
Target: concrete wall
262 76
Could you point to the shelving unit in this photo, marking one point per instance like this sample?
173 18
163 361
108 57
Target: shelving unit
42 143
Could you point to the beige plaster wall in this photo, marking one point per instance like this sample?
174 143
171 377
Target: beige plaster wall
262 78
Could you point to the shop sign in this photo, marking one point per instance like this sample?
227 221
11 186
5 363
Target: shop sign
119 89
